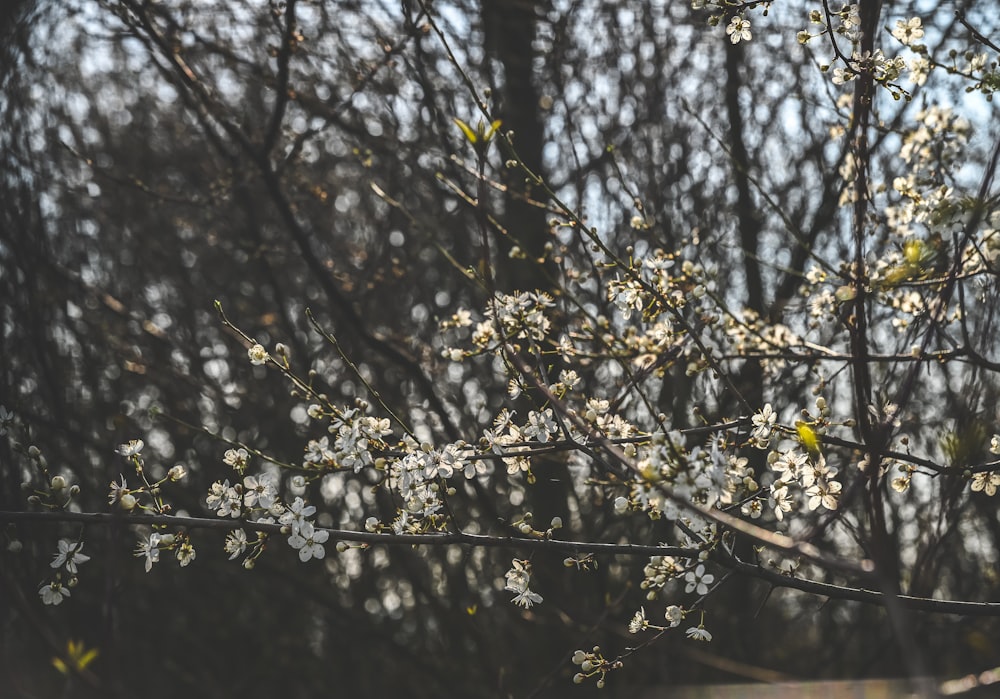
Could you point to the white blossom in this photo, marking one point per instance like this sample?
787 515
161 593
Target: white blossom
69 555
236 543
257 355
236 459
638 622
309 541
739 29
698 580
908 31
131 448
259 491
53 593
296 514
674 615
986 482
149 548
518 579
699 633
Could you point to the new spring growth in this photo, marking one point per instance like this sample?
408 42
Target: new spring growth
481 137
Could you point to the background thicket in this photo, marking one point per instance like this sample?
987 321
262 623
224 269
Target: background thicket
157 156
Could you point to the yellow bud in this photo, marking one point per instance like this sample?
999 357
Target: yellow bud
913 251
807 437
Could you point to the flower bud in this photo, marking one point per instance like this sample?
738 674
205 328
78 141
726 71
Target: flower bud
58 483
177 472
621 504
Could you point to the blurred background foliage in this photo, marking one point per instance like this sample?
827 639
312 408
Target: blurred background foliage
156 156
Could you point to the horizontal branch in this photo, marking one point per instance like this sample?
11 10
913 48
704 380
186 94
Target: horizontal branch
824 354
369 538
992 465
923 604
777 579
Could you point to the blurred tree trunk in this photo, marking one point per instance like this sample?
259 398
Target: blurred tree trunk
509 27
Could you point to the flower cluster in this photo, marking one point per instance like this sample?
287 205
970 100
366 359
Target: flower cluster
883 69
658 572
707 477
418 491
148 495
225 500
149 548
738 28
593 664
355 436
628 295
674 615
814 477
507 438
68 558
519 316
